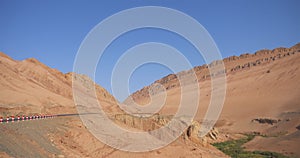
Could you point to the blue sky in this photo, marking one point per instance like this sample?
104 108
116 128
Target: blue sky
51 31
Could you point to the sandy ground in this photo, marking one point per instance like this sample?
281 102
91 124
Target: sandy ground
282 137
67 137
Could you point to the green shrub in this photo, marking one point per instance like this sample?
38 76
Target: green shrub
233 148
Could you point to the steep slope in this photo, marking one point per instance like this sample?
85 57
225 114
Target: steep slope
29 86
264 85
232 64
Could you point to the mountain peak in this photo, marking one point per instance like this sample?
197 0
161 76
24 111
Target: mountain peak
5 56
33 60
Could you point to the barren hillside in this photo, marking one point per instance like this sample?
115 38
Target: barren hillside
30 87
260 86
261 98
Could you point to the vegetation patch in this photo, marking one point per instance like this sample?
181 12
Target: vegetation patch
233 148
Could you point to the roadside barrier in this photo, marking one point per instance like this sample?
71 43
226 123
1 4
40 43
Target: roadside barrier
25 118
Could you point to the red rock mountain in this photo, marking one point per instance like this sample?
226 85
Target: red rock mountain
29 87
233 64
262 96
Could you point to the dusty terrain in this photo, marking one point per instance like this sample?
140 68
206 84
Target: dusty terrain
264 85
261 97
68 137
29 87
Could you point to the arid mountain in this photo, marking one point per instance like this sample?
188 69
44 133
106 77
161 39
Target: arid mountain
262 96
233 64
30 87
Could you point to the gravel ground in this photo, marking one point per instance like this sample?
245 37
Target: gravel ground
31 138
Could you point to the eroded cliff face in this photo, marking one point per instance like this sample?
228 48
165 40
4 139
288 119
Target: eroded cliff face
191 134
233 64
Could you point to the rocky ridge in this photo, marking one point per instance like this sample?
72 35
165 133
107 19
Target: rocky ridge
232 65
31 87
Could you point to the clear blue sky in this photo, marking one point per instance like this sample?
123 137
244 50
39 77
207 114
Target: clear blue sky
51 31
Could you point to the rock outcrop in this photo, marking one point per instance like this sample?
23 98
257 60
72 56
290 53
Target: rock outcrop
157 121
232 65
266 121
